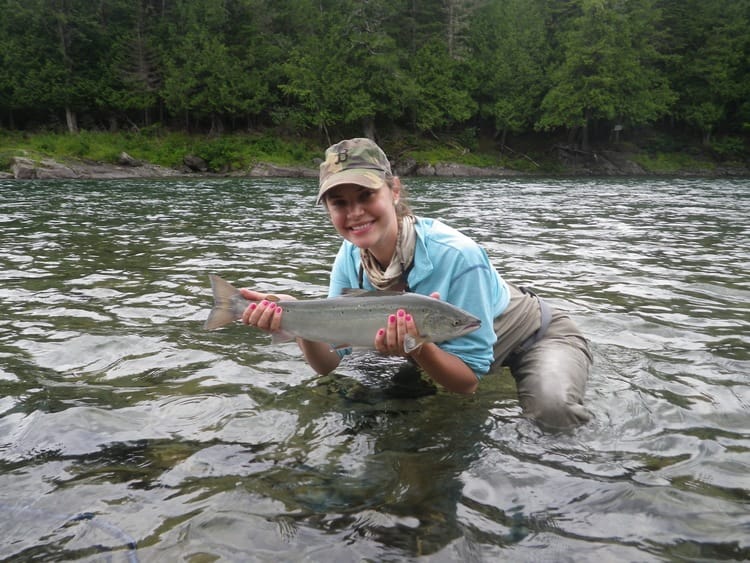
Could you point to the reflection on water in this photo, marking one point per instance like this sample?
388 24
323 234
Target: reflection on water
128 432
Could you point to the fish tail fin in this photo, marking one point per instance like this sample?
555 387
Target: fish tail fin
222 313
412 343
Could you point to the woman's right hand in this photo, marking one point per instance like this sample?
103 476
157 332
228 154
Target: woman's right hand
265 310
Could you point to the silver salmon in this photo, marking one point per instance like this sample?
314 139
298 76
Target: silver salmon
350 320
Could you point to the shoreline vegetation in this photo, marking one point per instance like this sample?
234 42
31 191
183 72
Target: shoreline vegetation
446 87
101 155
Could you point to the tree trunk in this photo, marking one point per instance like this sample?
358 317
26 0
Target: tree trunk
368 128
503 138
451 28
217 125
585 145
71 119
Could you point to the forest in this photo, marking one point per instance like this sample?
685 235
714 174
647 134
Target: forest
588 70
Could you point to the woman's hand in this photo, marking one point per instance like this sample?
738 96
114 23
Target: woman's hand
443 367
265 310
390 339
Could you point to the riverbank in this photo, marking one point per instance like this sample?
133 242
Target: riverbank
122 156
605 164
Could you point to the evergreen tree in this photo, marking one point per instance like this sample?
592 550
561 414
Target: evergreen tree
344 69
607 69
509 56
710 62
134 71
438 99
55 56
353 67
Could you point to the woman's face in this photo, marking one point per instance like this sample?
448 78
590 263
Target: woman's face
365 217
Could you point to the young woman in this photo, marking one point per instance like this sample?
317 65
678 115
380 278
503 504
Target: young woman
386 247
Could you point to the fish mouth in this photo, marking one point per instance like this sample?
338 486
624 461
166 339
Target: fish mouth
472 326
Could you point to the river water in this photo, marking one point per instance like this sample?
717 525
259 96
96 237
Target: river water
127 433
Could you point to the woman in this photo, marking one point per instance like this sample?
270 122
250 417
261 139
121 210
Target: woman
386 247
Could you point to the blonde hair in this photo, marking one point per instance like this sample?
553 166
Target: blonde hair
402 208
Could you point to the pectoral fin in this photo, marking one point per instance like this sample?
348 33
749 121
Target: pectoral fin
281 337
412 343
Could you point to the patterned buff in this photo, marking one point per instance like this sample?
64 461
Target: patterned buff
400 262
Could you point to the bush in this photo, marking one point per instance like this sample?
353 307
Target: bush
672 163
729 148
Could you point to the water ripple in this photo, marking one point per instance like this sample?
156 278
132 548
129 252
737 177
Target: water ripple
114 402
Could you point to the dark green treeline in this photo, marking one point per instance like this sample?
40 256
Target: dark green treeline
422 66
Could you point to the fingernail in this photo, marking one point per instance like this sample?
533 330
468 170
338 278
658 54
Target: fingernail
408 318
272 306
253 306
401 313
264 303
392 319
381 332
278 310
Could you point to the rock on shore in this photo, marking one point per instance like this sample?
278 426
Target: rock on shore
24 168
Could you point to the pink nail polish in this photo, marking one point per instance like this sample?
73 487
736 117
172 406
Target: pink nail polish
278 310
408 318
392 319
381 332
253 306
272 306
401 313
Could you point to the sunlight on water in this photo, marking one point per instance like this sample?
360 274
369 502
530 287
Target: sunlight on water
126 431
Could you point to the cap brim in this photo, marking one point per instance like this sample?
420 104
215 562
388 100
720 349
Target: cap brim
372 179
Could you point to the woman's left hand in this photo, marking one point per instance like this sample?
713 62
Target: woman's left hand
390 340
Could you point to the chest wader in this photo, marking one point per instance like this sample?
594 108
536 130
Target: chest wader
550 366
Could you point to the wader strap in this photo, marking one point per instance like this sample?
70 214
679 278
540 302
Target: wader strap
545 318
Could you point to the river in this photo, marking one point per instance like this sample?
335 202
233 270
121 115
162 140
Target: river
128 433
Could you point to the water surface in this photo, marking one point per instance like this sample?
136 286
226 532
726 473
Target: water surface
129 433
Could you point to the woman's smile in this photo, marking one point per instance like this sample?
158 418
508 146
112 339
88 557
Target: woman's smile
362 228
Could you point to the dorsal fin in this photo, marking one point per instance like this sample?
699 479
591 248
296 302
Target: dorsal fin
355 292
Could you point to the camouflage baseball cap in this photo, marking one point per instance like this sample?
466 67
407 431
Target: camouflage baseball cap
354 161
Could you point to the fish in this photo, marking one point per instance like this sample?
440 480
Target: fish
350 320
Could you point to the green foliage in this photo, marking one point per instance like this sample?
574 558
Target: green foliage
5 158
437 101
510 45
708 62
329 67
673 163
608 69
729 148
225 153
